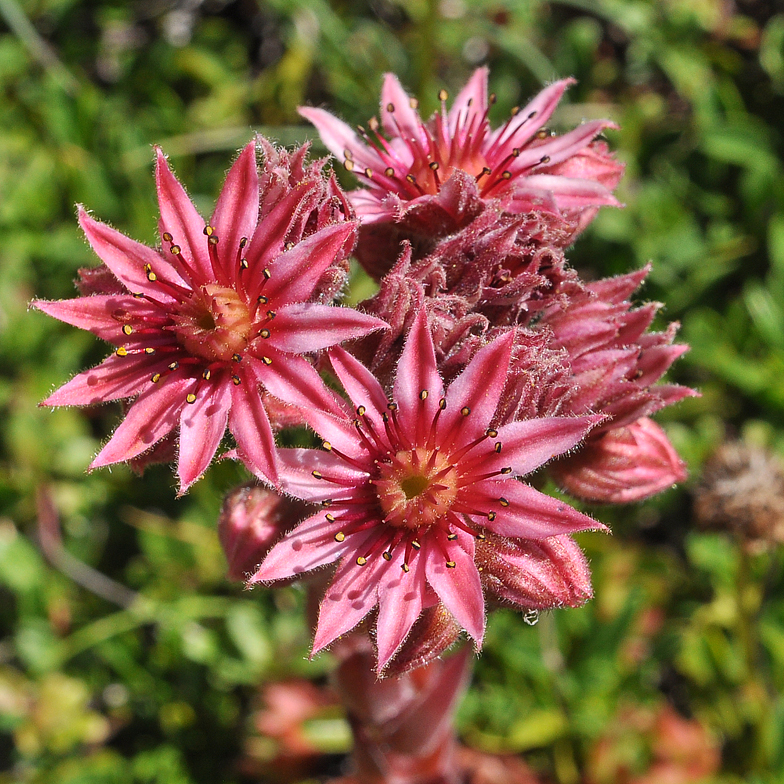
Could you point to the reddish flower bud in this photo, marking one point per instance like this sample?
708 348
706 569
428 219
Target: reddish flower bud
251 519
624 465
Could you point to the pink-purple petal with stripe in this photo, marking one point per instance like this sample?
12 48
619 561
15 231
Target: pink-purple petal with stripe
458 586
154 414
306 326
470 101
202 425
360 384
296 467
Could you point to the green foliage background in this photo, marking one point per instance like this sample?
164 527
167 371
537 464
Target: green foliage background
156 681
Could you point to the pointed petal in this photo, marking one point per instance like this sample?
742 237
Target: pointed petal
180 218
115 378
103 315
400 599
478 388
127 258
296 467
250 426
339 137
237 210
310 545
350 597
531 118
471 100
361 385
529 514
459 587
528 444
417 374
152 415
559 148
296 272
403 121
572 193
307 326
202 425
295 381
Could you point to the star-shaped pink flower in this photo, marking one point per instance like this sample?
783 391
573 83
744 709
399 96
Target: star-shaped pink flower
221 311
409 486
456 158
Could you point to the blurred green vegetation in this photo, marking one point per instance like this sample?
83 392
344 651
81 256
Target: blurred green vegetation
151 675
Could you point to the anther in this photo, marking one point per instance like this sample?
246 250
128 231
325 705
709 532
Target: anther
481 537
244 264
433 165
451 537
206 374
266 360
442 94
317 474
190 398
389 171
516 152
262 300
127 329
442 403
267 274
213 239
176 250
243 241
411 178
465 410
368 172
491 516
543 134
122 352
208 230
515 110
340 536
149 350
156 377
236 380
491 433
330 517
416 545
497 447
348 155
450 564
506 175
151 276
503 502
271 314
265 333
327 446
174 365
492 98
167 237
361 561
423 395
348 165
405 568
387 556
506 470
236 357
544 159
361 410
413 103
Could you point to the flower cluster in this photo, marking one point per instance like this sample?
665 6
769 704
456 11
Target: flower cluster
482 358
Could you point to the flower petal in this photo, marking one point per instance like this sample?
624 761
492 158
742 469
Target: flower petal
296 467
361 385
572 193
478 388
116 378
296 272
202 425
237 211
338 137
127 258
352 594
458 587
180 218
526 513
307 326
417 376
152 415
310 545
471 100
400 599
403 121
250 426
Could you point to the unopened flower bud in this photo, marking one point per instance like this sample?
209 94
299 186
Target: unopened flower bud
624 465
251 519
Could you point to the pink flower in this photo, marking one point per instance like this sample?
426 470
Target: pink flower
409 487
224 309
439 173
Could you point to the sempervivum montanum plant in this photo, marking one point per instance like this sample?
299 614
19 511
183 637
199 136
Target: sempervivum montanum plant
410 485
223 310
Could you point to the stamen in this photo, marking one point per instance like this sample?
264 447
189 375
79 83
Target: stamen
340 536
190 398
